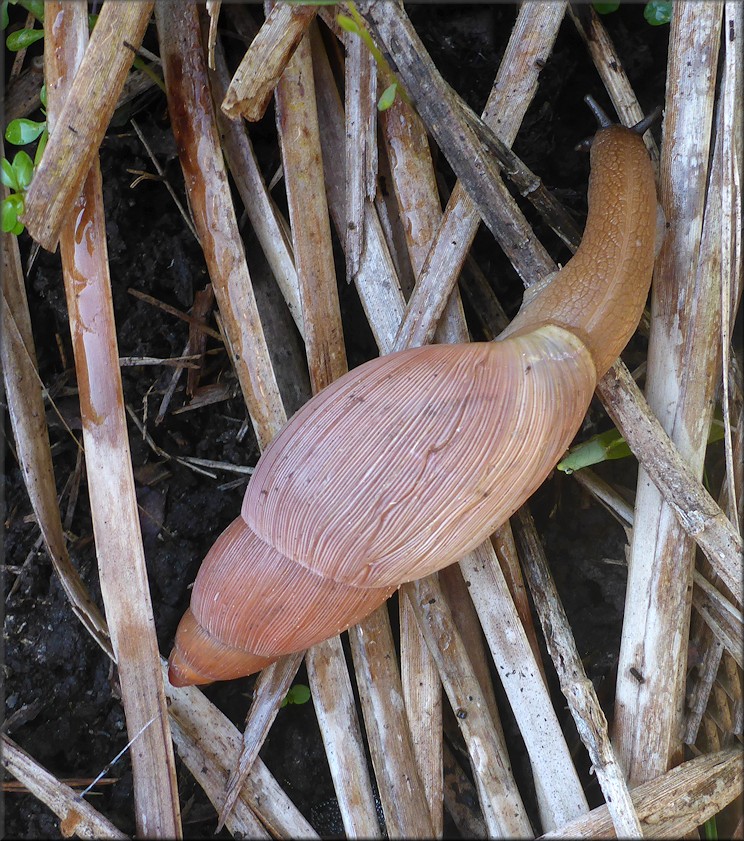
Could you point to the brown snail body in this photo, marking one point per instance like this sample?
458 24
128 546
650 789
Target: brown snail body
409 461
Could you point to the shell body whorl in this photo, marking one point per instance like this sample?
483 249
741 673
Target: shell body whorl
409 461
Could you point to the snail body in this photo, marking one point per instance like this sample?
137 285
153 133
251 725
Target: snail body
409 461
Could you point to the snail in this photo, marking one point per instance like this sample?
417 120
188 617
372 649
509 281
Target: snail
409 461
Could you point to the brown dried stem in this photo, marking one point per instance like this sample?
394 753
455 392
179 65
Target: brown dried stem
73 147
263 64
121 560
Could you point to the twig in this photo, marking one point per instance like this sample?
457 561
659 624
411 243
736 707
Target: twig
84 119
264 62
121 561
77 816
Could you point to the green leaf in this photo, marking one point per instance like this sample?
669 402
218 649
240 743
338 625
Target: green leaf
348 24
658 12
42 95
12 208
605 8
41 146
23 38
7 175
23 167
298 694
36 7
19 228
22 131
387 98
602 447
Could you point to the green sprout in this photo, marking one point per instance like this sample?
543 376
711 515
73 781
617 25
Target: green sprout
298 694
656 12
611 445
16 176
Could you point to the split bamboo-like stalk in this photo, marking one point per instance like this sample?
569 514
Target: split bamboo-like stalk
77 816
680 386
258 204
73 148
360 83
579 692
27 416
515 85
211 756
297 122
674 804
193 122
121 560
263 64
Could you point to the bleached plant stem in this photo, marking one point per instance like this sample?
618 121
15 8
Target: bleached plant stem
77 816
577 688
682 369
121 559
84 119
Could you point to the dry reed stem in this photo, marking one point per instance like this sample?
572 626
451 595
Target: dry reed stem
577 688
516 82
610 68
77 816
338 719
673 804
84 119
725 620
208 740
251 186
28 420
695 509
439 107
121 560
195 129
381 695
524 686
263 64
376 281
297 124
360 83
681 375
501 802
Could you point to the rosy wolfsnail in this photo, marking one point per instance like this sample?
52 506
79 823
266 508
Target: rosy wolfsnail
409 461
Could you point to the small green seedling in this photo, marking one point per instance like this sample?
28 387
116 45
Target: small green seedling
16 176
298 694
656 12
611 445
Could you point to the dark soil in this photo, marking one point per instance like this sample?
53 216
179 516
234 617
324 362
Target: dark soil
61 693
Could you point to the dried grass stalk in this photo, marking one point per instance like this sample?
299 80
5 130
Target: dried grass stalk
84 119
121 559
516 82
77 816
297 122
197 137
401 791
260 207
673 804
264 62
23 392
683 364
577 688
360 83
210 744
501 801
441 109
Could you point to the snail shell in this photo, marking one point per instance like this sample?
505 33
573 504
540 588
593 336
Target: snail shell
409 461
